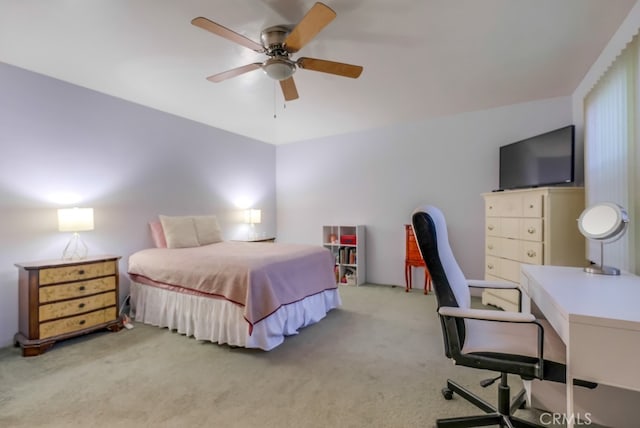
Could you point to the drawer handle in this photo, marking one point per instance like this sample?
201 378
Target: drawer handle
81 305
531 253
490 246
490 207
82 322
82 288
490 227
81 272
531 230
531 206
490 266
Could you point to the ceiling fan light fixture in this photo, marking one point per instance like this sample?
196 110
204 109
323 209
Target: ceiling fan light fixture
279 68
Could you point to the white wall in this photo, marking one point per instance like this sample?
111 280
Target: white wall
376 178
128 162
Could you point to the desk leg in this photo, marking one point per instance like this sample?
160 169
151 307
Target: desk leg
570 413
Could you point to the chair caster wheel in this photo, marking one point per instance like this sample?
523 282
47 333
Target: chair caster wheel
447 393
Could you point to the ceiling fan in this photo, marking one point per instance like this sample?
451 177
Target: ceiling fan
279 43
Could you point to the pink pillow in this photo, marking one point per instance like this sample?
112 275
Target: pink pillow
157 234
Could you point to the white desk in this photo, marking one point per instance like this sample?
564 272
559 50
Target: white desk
598 319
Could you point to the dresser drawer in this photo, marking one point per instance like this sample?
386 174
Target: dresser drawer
492 266
510 227
510 205
493 278
531 252
531 229
492 227
510 270
509 248
493 246
532 205
76 306
77 272
76 289
491 207
502 268
505 205
503 247
80 322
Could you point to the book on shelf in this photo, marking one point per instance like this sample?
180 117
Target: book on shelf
347 255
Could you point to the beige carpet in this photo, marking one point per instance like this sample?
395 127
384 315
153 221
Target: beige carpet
375 362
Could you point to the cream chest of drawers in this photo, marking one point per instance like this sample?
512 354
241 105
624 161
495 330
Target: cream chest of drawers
62 299
534 226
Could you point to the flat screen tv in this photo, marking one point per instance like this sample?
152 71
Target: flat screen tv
544 160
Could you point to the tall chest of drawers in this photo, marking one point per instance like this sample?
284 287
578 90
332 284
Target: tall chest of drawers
533 226
61 299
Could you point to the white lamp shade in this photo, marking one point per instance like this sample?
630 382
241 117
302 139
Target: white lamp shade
75 219
253 216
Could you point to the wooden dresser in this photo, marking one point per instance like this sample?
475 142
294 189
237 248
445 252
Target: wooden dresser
413 258
60 299
533 226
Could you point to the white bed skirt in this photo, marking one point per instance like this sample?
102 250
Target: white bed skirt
220 321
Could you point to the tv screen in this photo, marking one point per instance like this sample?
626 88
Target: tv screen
543 160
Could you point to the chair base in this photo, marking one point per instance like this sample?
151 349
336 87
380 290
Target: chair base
501 416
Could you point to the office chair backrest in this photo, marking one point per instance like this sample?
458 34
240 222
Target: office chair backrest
430 229
449 283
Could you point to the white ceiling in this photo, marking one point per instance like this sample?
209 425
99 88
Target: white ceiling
421 58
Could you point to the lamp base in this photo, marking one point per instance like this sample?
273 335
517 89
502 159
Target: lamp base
602 270
76 249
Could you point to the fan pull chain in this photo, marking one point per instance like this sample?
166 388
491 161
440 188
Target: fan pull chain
275 103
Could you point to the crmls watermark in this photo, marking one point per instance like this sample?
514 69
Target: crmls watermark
552 419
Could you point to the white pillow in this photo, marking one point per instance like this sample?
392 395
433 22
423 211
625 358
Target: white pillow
179 232
207 229
190 231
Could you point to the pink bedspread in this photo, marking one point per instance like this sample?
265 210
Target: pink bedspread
259 276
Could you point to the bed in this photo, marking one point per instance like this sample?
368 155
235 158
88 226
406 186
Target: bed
243 294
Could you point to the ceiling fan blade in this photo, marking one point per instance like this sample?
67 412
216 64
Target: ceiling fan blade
289 90
234 72
318 17
221 31
324 66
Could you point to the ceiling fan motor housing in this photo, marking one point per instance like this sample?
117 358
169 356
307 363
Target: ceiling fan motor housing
273 38
278 66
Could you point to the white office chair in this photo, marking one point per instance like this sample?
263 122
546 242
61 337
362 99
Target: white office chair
506 342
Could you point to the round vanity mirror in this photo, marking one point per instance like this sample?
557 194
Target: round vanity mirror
603 222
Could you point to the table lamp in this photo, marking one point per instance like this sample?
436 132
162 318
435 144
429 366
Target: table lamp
253 217
75 220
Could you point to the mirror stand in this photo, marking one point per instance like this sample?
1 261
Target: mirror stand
602 269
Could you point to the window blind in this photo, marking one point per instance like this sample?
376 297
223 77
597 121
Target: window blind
610 151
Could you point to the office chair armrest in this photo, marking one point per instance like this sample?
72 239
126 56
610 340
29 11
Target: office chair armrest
479 283
501 316
485 314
